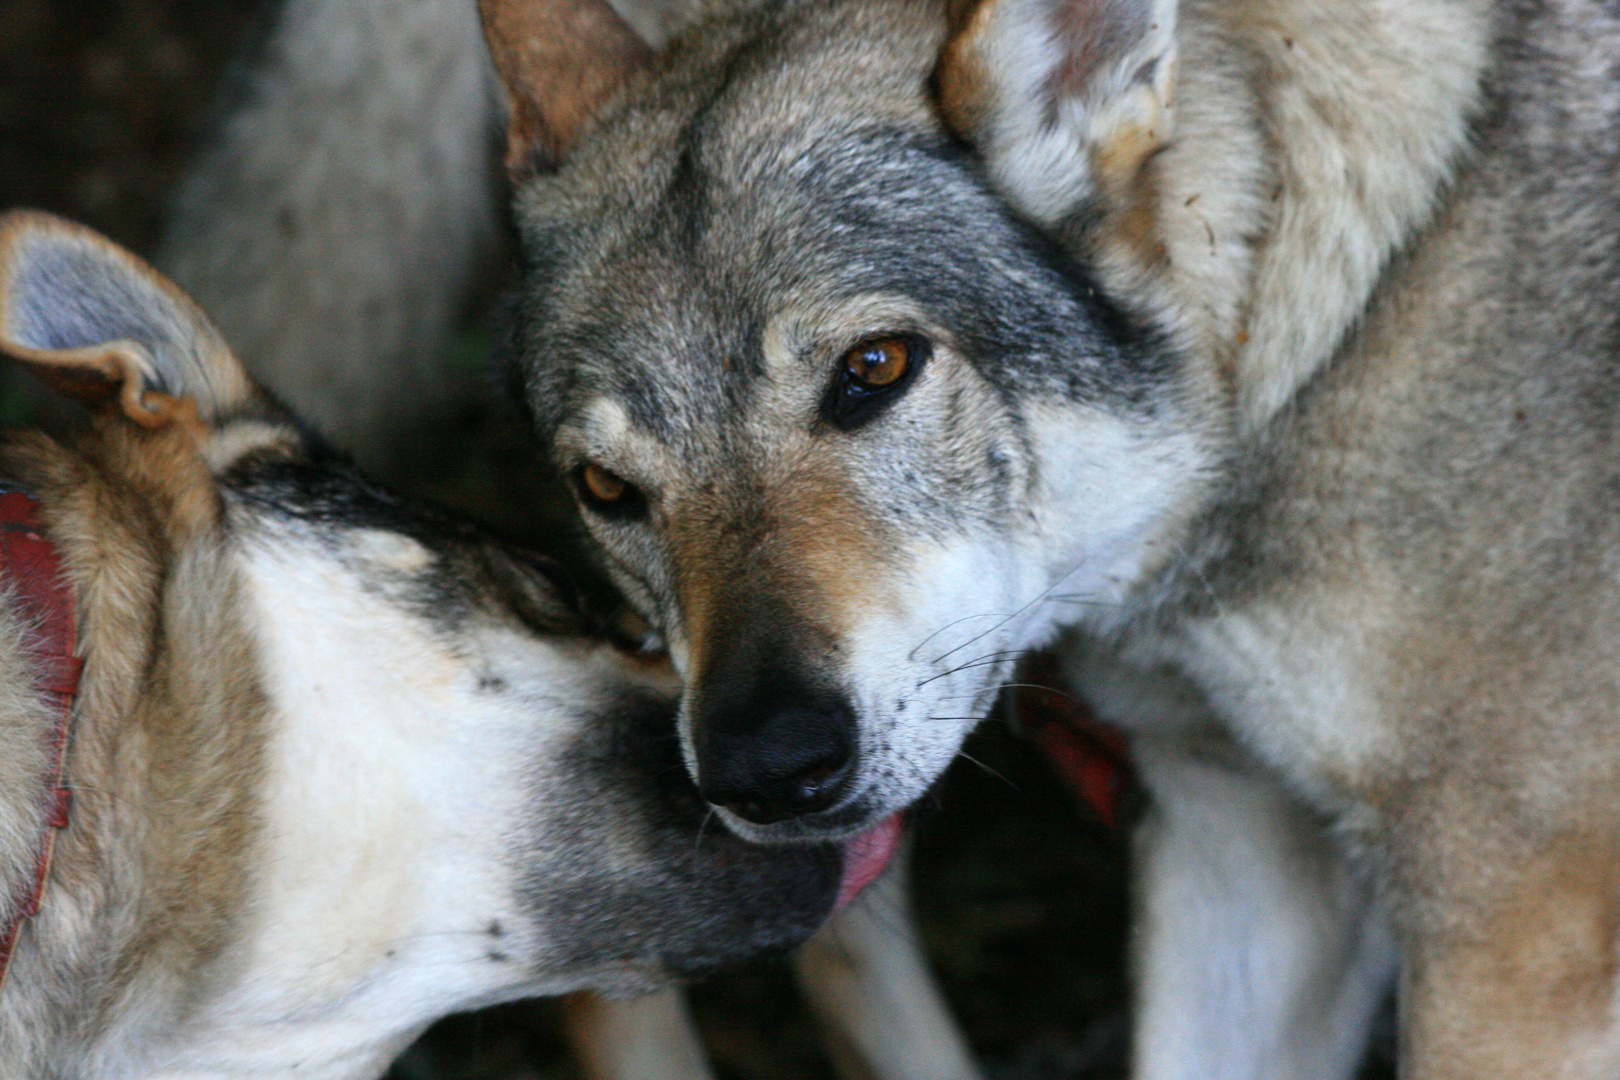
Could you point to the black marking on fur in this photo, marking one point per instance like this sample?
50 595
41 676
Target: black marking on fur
700 898
926 224
470 568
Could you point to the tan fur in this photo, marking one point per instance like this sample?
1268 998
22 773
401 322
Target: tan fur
699 581
962 79
167 741
342 765
819 581
818 519
1236 225
1539 960
650 1037
1352 181
1358 502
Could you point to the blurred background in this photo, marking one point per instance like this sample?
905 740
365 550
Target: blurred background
1019 888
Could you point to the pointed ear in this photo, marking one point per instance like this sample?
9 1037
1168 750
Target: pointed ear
100 325
558 61
1064 99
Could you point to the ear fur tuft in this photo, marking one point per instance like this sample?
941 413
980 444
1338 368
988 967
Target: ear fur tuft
1064 99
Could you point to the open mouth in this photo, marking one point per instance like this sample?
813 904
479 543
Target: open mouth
867 854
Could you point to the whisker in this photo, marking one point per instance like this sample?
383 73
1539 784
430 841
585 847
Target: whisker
998 687
954 622
989 714
988 769
999 657
697 844
1036 599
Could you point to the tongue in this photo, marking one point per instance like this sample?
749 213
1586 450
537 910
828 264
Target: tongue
866 855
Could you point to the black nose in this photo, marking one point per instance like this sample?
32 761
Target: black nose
793 760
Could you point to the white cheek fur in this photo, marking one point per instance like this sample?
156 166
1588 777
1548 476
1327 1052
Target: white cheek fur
928 662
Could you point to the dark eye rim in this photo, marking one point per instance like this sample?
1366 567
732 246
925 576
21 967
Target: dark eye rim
850 403
631 505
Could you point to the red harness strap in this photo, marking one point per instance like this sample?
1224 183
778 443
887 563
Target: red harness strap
28 561
1091 755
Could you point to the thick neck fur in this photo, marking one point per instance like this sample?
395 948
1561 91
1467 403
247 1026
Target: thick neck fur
168 735
241 889
1311 147
1309 144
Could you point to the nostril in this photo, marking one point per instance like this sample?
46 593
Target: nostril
817 788
796 762
749 810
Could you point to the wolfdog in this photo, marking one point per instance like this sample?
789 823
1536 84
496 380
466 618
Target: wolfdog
338 765
343 205
1268 348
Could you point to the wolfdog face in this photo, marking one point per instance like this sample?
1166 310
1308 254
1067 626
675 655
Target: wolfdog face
849 427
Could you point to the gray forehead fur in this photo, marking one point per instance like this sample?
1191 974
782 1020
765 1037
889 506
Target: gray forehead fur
704 204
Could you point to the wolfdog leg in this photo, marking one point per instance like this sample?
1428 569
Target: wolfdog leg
865 974
1511 973
650 1038
1260 953
334 221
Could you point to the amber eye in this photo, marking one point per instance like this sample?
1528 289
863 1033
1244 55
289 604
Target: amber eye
871 376
607 493
603 486
879 362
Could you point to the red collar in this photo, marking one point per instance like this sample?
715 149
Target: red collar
1091 755
29 563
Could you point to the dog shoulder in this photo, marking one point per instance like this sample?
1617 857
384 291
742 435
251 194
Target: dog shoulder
358 149
1367 118
1312 140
